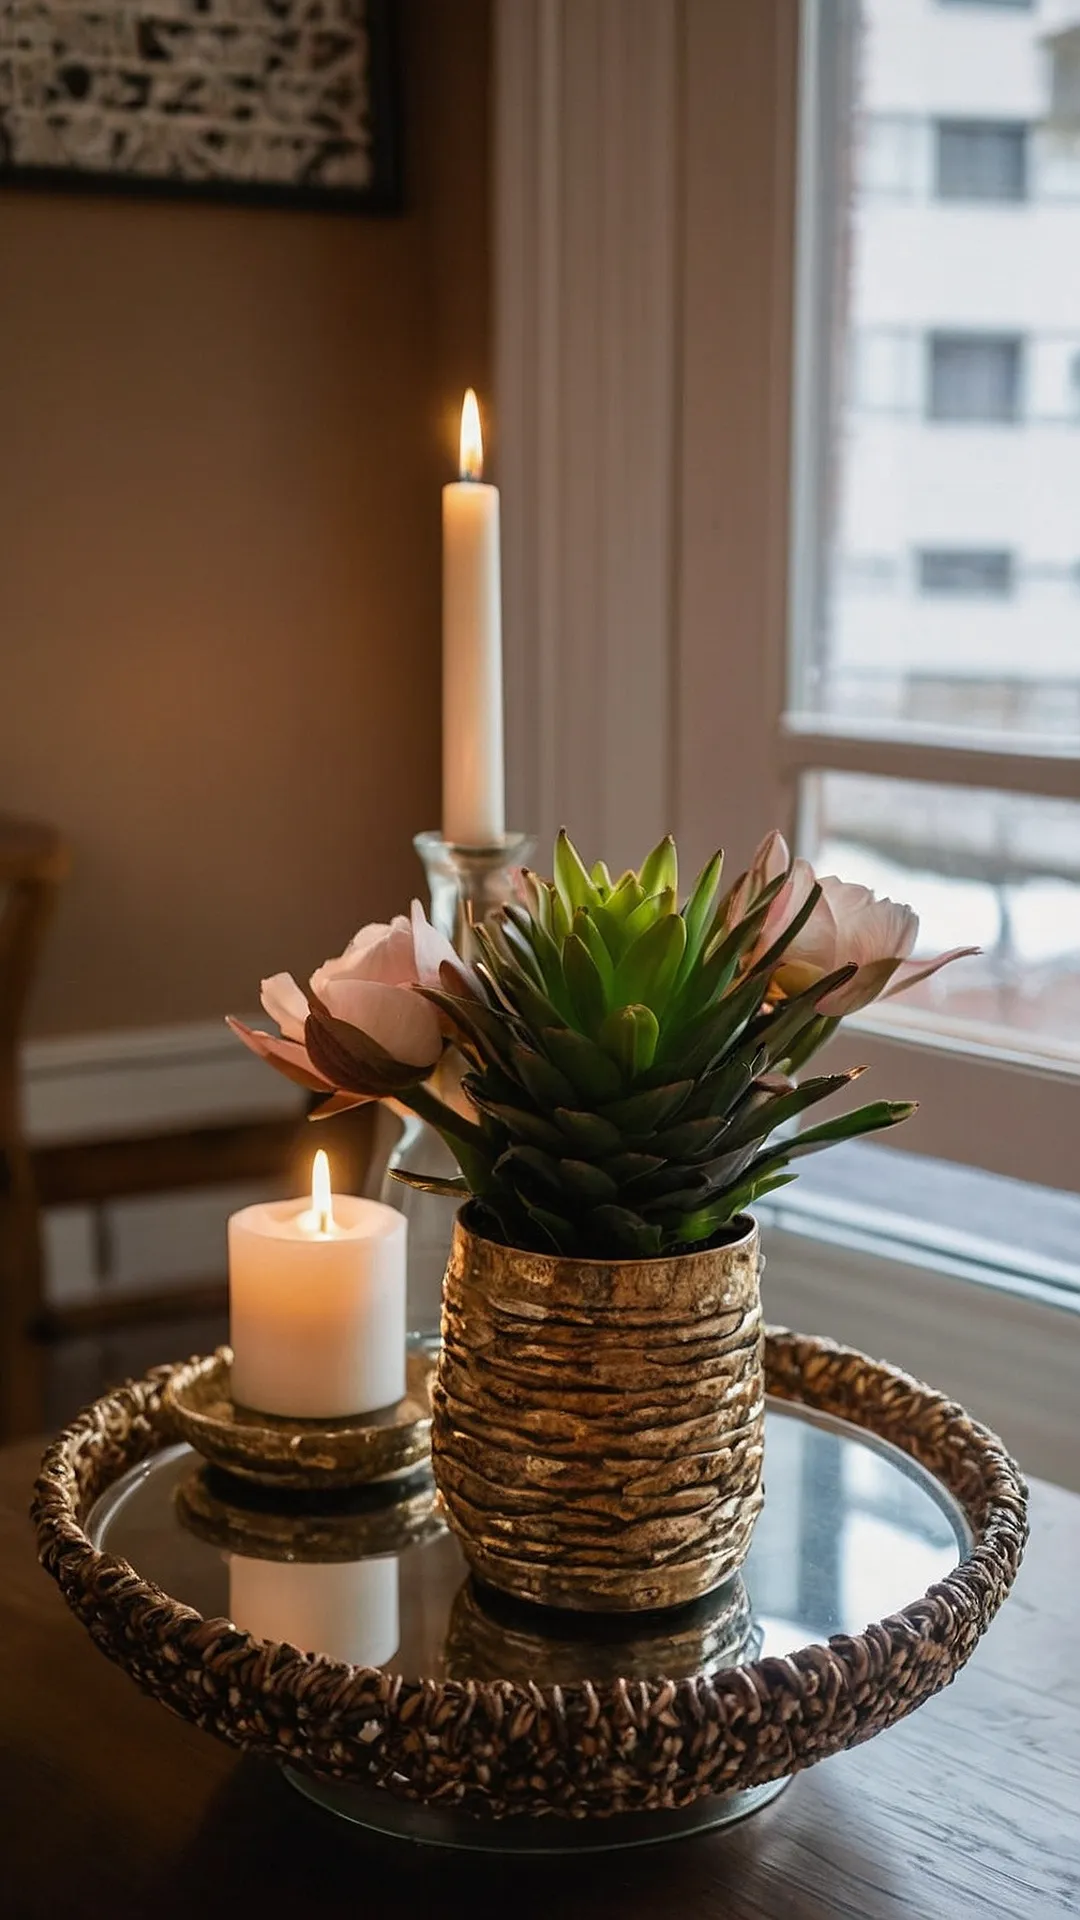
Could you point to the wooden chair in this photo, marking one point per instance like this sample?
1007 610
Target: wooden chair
33 861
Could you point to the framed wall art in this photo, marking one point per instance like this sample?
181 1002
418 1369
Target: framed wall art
280 101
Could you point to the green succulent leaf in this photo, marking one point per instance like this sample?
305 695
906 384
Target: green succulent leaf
654 907
646 973
543 1082
757 1121
689 1140
626 895
539 1168
521 1123
584 984
611 931
772 954
572 882
627 1232
698 911
589 1068
631 1168
642 1113
707 1221
588 932
588 1182
700 1042
557 1234
629 1036
660 869
586 1133
538 1009
873 1118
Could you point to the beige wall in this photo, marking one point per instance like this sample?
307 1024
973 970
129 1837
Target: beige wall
223 436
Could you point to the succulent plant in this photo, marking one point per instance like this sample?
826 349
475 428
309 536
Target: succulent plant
629 1060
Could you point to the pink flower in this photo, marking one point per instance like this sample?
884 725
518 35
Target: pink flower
283 1000
364 1028
850 926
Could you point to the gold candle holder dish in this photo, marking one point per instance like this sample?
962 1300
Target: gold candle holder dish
363 1449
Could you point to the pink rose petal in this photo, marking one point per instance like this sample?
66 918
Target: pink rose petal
283 1000
399 1021
290 1057
910 972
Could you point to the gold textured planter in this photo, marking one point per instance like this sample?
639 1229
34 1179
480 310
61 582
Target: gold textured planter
597 1425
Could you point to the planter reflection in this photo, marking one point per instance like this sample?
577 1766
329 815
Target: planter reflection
493 1637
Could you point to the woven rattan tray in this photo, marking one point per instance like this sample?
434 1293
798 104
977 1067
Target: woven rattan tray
497 1747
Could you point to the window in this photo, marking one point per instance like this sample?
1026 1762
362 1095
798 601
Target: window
974 376
964 572
932 738
981 160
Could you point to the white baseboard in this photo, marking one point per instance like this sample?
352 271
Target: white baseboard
90 1086
102 1085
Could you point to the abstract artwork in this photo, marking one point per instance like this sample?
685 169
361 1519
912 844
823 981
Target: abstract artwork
274 100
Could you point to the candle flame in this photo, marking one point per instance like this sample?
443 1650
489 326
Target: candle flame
471 457
322 1202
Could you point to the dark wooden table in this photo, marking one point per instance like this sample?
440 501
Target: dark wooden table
109 1807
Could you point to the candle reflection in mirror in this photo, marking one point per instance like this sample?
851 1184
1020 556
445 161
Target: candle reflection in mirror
345 1608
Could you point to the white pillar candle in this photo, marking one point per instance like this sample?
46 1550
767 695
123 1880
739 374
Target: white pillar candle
348 1608
317 1304
474 812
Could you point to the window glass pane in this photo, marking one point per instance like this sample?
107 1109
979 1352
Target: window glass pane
973 378
940 373
965 571
976 161
997 870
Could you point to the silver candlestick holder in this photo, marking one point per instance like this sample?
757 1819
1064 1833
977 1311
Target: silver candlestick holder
465 885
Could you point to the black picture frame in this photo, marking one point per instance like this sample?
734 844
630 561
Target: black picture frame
381 193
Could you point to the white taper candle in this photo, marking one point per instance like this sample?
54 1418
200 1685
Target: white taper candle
474 813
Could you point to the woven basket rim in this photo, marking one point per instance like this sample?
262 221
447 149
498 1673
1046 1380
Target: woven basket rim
434 1741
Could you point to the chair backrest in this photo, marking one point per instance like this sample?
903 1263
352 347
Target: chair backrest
33 862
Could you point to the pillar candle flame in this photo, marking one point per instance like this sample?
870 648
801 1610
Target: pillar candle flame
322 1203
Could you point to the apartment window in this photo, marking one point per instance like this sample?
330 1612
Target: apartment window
933 758
984 573
981 160
974 376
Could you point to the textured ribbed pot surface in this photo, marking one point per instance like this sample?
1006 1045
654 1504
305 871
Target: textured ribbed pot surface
597 1425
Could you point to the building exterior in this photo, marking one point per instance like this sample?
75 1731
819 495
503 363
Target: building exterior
948 602
954 589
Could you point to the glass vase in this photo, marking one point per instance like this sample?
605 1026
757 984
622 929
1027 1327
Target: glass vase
465 885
